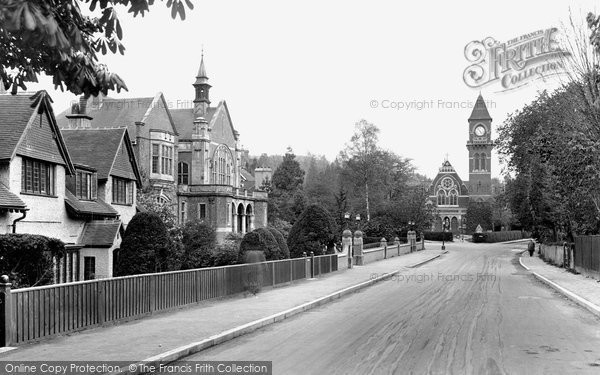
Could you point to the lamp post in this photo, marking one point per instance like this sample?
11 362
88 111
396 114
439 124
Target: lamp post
445 226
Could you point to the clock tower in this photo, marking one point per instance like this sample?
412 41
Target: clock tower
480 152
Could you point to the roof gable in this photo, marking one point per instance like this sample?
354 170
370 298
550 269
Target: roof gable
29 128
94 147
222 130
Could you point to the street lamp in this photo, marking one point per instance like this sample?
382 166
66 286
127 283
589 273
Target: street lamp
445 226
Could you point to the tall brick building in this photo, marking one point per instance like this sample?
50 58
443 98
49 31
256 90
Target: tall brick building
212 185
448 191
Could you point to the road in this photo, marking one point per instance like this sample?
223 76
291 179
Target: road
475 311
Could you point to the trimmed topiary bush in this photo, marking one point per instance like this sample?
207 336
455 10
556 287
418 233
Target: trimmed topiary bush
283 247
260 239
27 258
145 247
314 229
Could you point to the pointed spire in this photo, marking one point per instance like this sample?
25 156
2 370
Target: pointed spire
480 111
202 70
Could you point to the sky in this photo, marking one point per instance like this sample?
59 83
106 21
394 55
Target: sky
302 73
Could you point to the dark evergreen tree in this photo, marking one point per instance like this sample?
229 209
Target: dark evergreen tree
314 229
145 246
260 240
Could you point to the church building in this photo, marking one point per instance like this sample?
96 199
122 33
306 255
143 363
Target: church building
448 191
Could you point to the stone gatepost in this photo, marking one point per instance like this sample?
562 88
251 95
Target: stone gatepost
383 243
411 237
358 248
347 246
397 243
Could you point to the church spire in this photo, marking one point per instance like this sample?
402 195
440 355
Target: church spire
202 87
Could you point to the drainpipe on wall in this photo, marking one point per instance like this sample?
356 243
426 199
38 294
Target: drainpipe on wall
14 224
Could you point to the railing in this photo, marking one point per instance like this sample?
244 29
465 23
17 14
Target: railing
225 190
40 312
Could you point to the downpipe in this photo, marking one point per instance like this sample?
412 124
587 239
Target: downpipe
14 224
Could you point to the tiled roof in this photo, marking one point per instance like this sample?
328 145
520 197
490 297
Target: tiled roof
100 233
94 147
10 200
15 113
184 120
113 113
88 208
480 111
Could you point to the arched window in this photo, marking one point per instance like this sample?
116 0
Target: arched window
183 174
454 198
222 166
441 199
476 161
483 163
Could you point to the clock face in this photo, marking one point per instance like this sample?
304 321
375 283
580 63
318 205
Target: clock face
479 130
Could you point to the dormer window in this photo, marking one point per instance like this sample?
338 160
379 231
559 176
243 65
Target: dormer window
86 185
37 177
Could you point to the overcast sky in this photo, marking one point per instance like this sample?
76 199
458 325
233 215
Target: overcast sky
302 73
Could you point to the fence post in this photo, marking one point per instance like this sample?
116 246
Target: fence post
7 324
306 269
422 241
273 272
312 265
383 243
331 262
291 262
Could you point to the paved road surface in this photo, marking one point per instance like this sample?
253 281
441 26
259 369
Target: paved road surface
474 311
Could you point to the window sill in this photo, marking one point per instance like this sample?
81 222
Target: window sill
39 194
122 204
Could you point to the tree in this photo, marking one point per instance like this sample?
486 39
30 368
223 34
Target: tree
145 246
479 213
58 39
288 176
199 240
361 153
314 229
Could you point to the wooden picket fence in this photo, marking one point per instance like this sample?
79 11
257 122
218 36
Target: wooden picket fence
31 314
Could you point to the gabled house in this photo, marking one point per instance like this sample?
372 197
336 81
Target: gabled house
102 193
151 130
83 195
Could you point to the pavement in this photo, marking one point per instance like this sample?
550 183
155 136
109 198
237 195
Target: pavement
171 335
582 290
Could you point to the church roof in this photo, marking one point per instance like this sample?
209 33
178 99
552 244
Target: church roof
447 167
480 111
184 120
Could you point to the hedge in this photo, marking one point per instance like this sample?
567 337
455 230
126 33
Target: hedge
260 240
439 236
512 235
27 258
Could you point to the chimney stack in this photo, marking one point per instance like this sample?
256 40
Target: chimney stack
78 119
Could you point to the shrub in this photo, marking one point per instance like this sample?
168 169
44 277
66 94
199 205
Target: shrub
314 229
439 236
27 259
199 241
262 240
283 247
226 254
145 246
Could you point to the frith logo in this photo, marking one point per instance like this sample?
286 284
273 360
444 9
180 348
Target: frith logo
514 63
